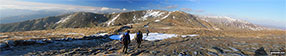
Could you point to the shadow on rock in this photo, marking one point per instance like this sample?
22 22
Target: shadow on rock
260 52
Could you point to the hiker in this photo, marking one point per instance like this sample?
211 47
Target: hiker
147 32
125 40
138 38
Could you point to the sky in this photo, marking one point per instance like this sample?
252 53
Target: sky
267 12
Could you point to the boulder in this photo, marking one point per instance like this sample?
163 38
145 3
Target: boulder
111 49
214 39
85 37
69 39
3 45
40 42
260 52
234 49
48 40
24 42
157 40
218 49
64 39
154 52
247 53
180 54
194 53
10 42
211 54
212 50
183 54
174 52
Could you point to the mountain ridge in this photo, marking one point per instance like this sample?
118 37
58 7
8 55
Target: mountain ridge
155 17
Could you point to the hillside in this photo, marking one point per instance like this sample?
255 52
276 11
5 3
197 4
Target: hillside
144 17
75 20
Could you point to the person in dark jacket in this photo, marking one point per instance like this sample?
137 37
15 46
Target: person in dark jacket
138 38
147 32
126 40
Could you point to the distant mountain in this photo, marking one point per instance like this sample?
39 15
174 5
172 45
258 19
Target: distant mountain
19 18
17 15
148 17
224 22
275 27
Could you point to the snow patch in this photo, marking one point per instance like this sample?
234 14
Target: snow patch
134 18
192 35
157 20
163 17
99 34
157 36
151 13
166 16
64 19
165 27
151 36
116 37
74 33
216 28
233 49
45 25
108 23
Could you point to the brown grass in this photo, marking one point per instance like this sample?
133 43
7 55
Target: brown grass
62 33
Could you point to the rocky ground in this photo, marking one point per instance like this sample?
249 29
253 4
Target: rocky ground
208 43
205 46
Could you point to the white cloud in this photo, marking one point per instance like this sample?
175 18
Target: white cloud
124 9
104 8
187 9
171 7
12 4
191 10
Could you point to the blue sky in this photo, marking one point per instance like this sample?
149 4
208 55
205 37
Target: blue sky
271 12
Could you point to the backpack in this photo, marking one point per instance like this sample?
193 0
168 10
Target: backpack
139 36
125 38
